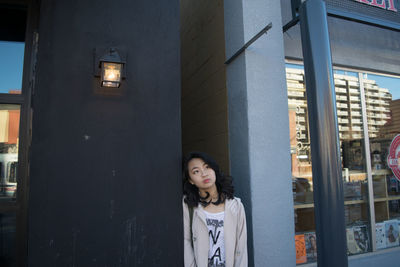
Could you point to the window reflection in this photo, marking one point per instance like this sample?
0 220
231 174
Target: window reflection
9 137
380 108
11 64
352 148
383 102
306 248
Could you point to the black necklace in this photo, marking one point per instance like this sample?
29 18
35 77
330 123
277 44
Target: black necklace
203 200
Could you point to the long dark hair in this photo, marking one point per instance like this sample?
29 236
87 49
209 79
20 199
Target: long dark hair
191 192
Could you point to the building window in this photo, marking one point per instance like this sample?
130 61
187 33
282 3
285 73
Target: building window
12 58
18 46
9 136
366 107
382 97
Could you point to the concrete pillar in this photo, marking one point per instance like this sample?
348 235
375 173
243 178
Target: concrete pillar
259 130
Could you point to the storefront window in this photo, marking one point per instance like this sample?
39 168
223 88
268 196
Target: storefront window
12 57
306 246
360 98
382 97
9 136
354 164
16 82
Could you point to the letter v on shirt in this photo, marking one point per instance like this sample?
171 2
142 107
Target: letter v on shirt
215 225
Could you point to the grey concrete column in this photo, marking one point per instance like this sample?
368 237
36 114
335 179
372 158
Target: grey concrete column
259 130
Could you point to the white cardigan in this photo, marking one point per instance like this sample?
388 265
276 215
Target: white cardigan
235 235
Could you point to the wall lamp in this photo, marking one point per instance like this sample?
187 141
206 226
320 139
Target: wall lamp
110 68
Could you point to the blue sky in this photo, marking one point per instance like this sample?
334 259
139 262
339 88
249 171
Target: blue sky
11 62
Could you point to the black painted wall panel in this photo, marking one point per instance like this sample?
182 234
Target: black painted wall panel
105 183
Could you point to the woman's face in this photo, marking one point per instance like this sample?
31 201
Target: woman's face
201 175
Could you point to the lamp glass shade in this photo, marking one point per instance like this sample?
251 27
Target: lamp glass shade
111 74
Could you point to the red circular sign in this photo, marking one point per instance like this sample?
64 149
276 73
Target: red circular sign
393 159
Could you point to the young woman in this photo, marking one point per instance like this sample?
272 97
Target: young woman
214 220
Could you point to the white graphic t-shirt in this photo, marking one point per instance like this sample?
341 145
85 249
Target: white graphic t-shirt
215 225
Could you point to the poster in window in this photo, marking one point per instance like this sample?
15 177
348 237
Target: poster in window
361 238
380 235
392 233
352 247
301 256
311 246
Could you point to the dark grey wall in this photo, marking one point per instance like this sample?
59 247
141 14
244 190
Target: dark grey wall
105 186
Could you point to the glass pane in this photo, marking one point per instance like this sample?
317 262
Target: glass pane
352 148
382 96
350 125
11 65
9 136
306 248
7 240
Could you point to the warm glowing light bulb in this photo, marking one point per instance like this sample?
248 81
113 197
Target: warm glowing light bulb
111 74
